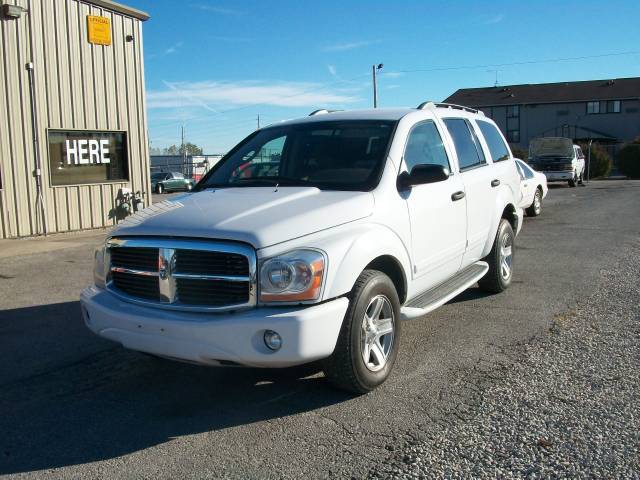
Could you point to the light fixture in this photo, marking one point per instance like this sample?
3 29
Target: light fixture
12 11
272 340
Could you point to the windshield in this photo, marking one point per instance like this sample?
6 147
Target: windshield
551 147
347 155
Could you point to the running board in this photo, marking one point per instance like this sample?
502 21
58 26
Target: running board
437 296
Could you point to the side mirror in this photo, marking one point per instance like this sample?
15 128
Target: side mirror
421 174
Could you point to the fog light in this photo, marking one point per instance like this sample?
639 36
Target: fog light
272 340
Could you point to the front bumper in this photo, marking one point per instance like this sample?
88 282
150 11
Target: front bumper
308 333
559 176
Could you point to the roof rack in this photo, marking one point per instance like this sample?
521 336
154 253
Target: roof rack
322 111
433 105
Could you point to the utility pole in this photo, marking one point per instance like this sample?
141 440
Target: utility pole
258 121
184 152
374 69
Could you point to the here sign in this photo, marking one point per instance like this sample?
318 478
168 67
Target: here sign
85 152
79 157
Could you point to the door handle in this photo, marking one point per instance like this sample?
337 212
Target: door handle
457 196
495 183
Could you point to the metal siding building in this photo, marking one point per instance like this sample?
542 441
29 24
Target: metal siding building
78 85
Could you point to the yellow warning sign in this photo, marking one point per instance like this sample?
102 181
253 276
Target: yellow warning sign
99 30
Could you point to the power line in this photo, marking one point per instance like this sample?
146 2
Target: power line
513 64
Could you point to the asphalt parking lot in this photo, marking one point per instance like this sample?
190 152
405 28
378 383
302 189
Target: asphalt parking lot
74 405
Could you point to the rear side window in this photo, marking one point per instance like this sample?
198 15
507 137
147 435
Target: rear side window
497 147
579 152
466 143
425 146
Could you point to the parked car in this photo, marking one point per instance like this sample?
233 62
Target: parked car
369 217
558 158
533 186
162 182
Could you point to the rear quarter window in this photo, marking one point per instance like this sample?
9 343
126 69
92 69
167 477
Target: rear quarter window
497 148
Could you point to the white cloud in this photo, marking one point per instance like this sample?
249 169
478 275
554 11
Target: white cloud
392 74
332 70
216 9
173 48
341 47
212 95
495 19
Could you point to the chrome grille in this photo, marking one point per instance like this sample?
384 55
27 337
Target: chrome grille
213 263
182 274
135 258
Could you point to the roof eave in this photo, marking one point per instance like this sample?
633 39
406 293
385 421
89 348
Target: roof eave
119 8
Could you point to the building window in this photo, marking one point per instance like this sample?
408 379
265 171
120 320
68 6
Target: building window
608 106
513 136
562 113
593 107
78 157
513 111
613 106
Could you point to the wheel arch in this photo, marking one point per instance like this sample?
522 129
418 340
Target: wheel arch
390 266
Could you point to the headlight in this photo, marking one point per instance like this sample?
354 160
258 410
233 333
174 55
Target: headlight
99 267
292 277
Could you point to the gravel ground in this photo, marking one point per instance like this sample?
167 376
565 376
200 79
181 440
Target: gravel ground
568 407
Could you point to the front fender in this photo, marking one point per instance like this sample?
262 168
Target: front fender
349 248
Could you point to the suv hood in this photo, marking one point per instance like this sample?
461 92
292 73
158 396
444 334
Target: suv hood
551 147
260 216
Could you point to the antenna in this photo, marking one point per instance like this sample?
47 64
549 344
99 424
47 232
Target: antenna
496 72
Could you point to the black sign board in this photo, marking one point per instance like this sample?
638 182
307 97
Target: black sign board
79 157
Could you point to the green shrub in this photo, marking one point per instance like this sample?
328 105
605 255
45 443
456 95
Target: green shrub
629 159
601 161
520 153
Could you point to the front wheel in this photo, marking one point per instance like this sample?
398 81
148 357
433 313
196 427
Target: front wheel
536 207
500 260
159 188
368 343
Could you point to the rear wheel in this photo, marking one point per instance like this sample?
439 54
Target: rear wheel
368 343
574 181
536 207
581 178
500 260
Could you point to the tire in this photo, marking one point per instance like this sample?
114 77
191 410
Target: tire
189 187
536 207
159 188
581 178
499 259
360 336
574 181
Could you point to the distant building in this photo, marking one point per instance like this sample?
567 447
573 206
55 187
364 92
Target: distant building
194 166
607 111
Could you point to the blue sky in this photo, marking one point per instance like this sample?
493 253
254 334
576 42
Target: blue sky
214 66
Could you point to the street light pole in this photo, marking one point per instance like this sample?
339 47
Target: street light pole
374 69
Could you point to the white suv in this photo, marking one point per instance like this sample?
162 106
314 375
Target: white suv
311 240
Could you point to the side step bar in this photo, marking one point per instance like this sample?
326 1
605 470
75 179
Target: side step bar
437 296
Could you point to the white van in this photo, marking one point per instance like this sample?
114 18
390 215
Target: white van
558 158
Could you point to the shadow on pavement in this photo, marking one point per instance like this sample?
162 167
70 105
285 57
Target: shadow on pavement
75 404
